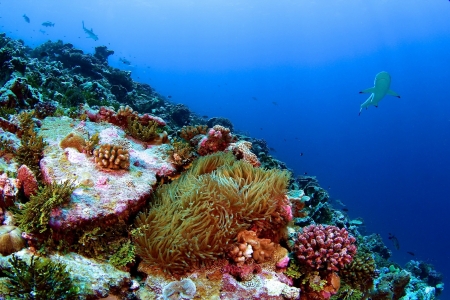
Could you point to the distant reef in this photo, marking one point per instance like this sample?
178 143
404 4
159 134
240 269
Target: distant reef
109 190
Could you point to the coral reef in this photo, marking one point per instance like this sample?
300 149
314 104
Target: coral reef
220 222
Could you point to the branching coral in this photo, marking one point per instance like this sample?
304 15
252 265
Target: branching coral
112 157
41 279
194 218
35 214
325 248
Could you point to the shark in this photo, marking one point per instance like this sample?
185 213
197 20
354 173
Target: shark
90 33
380 89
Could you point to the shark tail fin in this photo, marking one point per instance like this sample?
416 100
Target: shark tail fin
369 90
392 93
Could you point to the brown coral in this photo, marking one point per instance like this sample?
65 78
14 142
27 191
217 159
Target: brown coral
10 239
112 157
188 132
27 180
249 245
73 140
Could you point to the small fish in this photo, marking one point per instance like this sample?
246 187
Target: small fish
272 149
43 54
410 253
48 24
301 153
205 117
254 98
394 240
25 17
306 173
274 103
169 96
42 31
345 209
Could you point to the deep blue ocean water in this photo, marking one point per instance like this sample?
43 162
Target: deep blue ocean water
289 72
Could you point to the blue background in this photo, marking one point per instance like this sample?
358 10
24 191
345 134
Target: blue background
304 62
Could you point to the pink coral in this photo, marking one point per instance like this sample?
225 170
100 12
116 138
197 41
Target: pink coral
325 247
217 139
27 180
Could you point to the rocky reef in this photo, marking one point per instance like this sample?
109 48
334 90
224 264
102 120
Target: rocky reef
110 191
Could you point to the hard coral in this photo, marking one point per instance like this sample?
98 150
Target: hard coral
218 138
250 246
361 272
325 247
241 149
112 157
27 181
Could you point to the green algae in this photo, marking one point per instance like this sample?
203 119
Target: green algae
41 279
35 214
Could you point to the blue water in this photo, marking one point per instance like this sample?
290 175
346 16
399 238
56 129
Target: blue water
290 72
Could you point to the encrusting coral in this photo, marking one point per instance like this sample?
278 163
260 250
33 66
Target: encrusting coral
112 157
193 219
73 140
